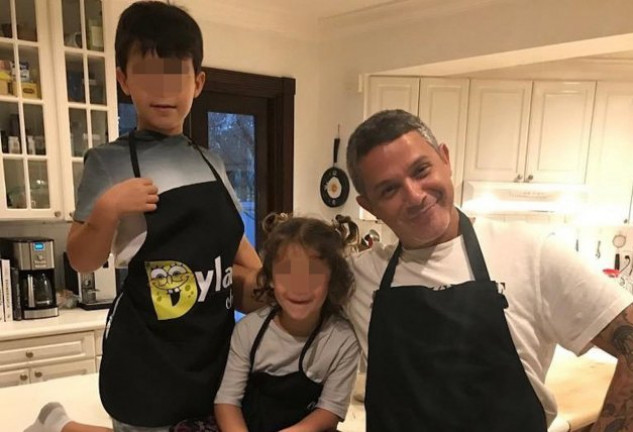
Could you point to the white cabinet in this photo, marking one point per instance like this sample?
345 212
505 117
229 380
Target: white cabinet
43 358
609 171
29 160
441 103
443 107
393 93
86 83
498 116
558 138
529 132
60 103
98 348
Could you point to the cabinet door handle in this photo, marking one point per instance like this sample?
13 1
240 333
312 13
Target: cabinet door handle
518 178
529 178
38 374
57 214
29 354
23 377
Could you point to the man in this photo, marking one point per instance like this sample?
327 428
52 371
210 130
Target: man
458 323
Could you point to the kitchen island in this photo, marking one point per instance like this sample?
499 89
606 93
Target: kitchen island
578 383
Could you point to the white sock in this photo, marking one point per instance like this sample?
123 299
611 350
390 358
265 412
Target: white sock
52 418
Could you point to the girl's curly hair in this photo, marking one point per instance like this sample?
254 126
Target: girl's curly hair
329 241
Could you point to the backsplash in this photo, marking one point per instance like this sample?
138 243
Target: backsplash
55 230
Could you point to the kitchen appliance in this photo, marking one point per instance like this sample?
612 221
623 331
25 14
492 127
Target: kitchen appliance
96 290
499 198
33 263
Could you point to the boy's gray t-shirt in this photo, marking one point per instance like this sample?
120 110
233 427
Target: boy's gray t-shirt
170 162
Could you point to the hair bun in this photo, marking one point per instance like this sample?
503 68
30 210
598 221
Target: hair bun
272 220
348 230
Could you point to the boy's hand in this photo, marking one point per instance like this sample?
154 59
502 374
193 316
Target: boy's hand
137 195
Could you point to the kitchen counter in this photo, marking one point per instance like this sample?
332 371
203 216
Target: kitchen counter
68 321
78 394
578 383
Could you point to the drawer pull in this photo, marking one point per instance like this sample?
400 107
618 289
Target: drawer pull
23 377
38 374
29 354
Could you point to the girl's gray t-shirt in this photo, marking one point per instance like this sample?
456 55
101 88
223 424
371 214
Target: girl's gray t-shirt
170 162
332 359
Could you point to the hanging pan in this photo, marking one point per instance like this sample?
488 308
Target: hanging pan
334 182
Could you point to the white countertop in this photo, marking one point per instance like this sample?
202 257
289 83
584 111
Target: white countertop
80 397
78 394
68 321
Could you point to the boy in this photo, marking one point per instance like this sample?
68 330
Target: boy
168 211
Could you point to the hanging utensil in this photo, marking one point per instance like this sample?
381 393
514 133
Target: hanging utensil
619 240
334 182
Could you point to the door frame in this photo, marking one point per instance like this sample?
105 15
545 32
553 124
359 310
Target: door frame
279 93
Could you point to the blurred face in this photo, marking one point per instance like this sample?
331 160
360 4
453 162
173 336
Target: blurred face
162 90
300 283
408 186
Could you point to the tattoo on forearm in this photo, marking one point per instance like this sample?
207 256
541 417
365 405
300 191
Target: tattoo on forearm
622 340
615 426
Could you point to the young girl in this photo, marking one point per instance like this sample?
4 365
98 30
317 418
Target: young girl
292 364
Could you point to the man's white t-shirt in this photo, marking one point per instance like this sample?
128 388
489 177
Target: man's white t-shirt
553 295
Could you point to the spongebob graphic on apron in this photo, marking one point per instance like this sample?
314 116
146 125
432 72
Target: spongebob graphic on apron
169 329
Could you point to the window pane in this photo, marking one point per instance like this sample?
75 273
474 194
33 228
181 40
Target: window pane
232 136
127 118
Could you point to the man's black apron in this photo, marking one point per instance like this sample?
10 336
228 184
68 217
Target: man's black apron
272 403
444 360
160 368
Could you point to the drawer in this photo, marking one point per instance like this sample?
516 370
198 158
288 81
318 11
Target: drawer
44 350
61 370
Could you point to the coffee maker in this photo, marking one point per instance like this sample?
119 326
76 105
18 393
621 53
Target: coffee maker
33 262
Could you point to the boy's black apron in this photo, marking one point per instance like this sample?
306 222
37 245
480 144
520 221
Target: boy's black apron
272 403
444 360
156 372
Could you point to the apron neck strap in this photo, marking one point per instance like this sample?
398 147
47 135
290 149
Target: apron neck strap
131 142
313 336
475 256
473 251
262 330
259 336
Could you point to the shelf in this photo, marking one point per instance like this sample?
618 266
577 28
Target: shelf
29 101
14 99
82 52
27 44
12 156
85 106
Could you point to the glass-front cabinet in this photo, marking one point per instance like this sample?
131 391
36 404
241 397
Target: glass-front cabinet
86 86
29 167
57 100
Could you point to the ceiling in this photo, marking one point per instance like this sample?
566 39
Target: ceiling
317 9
